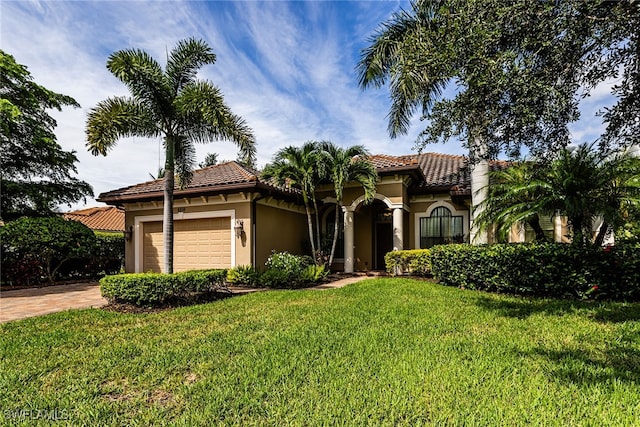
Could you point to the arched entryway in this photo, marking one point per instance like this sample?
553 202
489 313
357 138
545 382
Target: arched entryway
371 231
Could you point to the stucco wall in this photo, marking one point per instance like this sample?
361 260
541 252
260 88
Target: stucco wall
279 230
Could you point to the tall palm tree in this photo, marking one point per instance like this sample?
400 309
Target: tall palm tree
171 104
343 165
299 167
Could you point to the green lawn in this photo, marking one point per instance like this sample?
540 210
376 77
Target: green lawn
380 352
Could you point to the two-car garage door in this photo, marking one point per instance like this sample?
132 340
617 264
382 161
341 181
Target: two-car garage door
198 244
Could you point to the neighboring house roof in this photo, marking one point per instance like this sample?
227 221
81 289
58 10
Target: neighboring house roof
107 218
431 171
220 178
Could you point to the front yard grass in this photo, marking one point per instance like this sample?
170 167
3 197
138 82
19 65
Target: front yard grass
379 352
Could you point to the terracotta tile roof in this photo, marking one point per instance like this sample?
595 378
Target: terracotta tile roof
434 172
382 161
108 218
216 177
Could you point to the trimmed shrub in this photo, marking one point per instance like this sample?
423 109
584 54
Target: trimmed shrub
34 249
159 288
541 269
243 275
416 262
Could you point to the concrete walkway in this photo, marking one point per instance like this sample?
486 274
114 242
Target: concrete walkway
23 303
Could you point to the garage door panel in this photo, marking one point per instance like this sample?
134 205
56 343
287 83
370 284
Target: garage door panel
198 244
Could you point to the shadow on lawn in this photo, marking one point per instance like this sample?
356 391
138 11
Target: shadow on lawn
614 312
619 359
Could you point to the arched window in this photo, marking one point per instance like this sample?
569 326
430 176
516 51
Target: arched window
329 225
440 228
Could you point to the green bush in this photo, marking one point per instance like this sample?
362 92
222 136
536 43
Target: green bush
273 278
243 275
416 262
159 288
36 248
541 269
313 274
285 270
109 252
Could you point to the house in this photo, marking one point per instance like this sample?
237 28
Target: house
229 216
105 218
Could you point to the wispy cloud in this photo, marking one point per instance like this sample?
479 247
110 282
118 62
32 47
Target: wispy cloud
288 68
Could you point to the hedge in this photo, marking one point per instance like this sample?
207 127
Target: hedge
159 288
416 262
542 269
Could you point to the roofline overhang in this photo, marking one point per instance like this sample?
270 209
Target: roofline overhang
260 187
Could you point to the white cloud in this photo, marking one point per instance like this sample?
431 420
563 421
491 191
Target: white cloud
286 67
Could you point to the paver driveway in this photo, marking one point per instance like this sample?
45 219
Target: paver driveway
23 303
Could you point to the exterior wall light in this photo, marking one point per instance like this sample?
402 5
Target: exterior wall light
239 227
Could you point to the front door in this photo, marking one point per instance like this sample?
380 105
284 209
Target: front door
384 243
383 234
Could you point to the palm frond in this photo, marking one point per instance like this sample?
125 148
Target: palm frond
205 117
185 159
184 61
116 118
143 76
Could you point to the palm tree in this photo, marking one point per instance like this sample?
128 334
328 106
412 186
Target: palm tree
581 184
170 103
510 200
299 167
410 53
343 165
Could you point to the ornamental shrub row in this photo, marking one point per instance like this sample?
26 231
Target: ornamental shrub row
416 262
542 269
158 288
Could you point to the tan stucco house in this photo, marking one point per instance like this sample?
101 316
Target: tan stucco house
229 216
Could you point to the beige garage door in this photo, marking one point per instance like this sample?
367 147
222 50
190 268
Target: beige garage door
198 244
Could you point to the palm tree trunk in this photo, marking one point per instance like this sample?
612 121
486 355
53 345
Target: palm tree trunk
310 224
315 207
534 223
167 219
602 233
335 235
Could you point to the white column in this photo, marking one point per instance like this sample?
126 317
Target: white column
348 240
557 228
479 189
398 215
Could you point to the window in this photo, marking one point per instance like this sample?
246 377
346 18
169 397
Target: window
440 228
330 222
547 225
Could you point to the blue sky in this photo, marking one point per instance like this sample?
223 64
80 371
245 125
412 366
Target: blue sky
287 67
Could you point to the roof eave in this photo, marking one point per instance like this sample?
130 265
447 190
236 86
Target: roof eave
119 200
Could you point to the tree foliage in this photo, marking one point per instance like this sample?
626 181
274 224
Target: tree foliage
45 244
583 184
172 104
341 166
37 174
510 74
299 167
